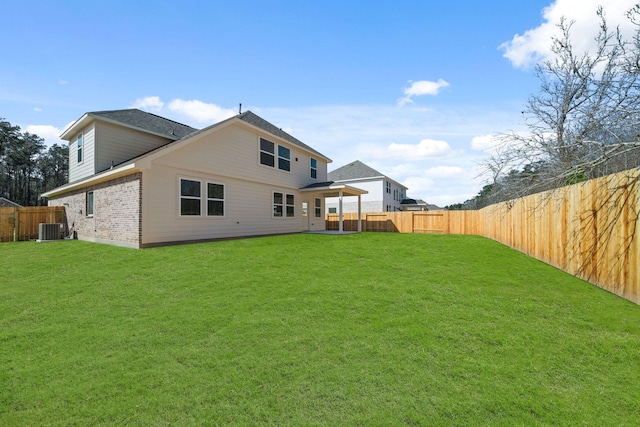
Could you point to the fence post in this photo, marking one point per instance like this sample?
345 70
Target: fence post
15 224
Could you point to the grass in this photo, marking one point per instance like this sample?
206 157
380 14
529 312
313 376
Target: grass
367 329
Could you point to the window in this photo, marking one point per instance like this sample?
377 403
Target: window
80 148
215 199
277 205
89 203
290 206
388 187
318 208
283 205
190 197
314 168
267 153
305 209
284 158
333 210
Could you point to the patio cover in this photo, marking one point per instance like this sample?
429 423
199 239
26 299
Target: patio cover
332 189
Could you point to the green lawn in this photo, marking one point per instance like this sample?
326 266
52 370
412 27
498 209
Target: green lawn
367 329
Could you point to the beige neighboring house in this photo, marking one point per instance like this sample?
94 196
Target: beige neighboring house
383 193
137 179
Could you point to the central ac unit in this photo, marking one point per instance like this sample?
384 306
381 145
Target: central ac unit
49 231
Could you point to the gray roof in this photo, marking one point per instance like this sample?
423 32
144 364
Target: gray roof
6 203
261 123
354 170
146 122
257 121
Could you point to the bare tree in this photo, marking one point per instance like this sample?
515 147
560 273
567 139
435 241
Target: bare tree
583 123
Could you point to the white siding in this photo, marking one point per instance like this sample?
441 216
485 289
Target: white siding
86 167
117 144
248 208
234 152
228 156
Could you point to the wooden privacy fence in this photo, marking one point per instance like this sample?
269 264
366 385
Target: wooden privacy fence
590 230
18 224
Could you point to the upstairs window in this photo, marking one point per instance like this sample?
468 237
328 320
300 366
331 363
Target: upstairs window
267 153
388 187
80 148
284 158
314 168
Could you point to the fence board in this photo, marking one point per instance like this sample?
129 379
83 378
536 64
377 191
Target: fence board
589 229
20 224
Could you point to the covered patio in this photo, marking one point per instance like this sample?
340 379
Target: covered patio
331 189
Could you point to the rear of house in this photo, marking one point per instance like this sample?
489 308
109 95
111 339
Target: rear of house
240 177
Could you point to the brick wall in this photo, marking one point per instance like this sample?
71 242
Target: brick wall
117 213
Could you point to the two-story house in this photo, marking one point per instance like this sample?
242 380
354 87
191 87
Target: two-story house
137 179
383 193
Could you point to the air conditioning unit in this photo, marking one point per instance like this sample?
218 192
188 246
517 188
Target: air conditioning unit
49 231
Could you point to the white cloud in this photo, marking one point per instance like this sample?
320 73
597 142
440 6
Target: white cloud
62 82
49 133
486 143
425 149
148 103
199 111
366 132
533 46
422 87
37 109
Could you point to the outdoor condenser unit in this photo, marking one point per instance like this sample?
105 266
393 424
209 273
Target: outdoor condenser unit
49 231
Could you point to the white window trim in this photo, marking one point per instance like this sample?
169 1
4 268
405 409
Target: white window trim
317 210
204 199
284 205
276 156
93 203
311 160
224 199
80 149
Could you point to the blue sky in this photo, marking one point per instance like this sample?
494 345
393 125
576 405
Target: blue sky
412 88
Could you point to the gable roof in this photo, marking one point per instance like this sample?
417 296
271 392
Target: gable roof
128 165
261 123
135 119
354 170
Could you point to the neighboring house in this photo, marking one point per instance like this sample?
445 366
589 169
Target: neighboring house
137 179
6 203
414 205
384 194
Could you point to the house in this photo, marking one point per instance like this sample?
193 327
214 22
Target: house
413 205
6 203
137 179
384 194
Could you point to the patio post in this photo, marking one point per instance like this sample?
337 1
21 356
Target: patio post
359 214
340 228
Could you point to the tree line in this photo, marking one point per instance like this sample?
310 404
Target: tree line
583 123
27 167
